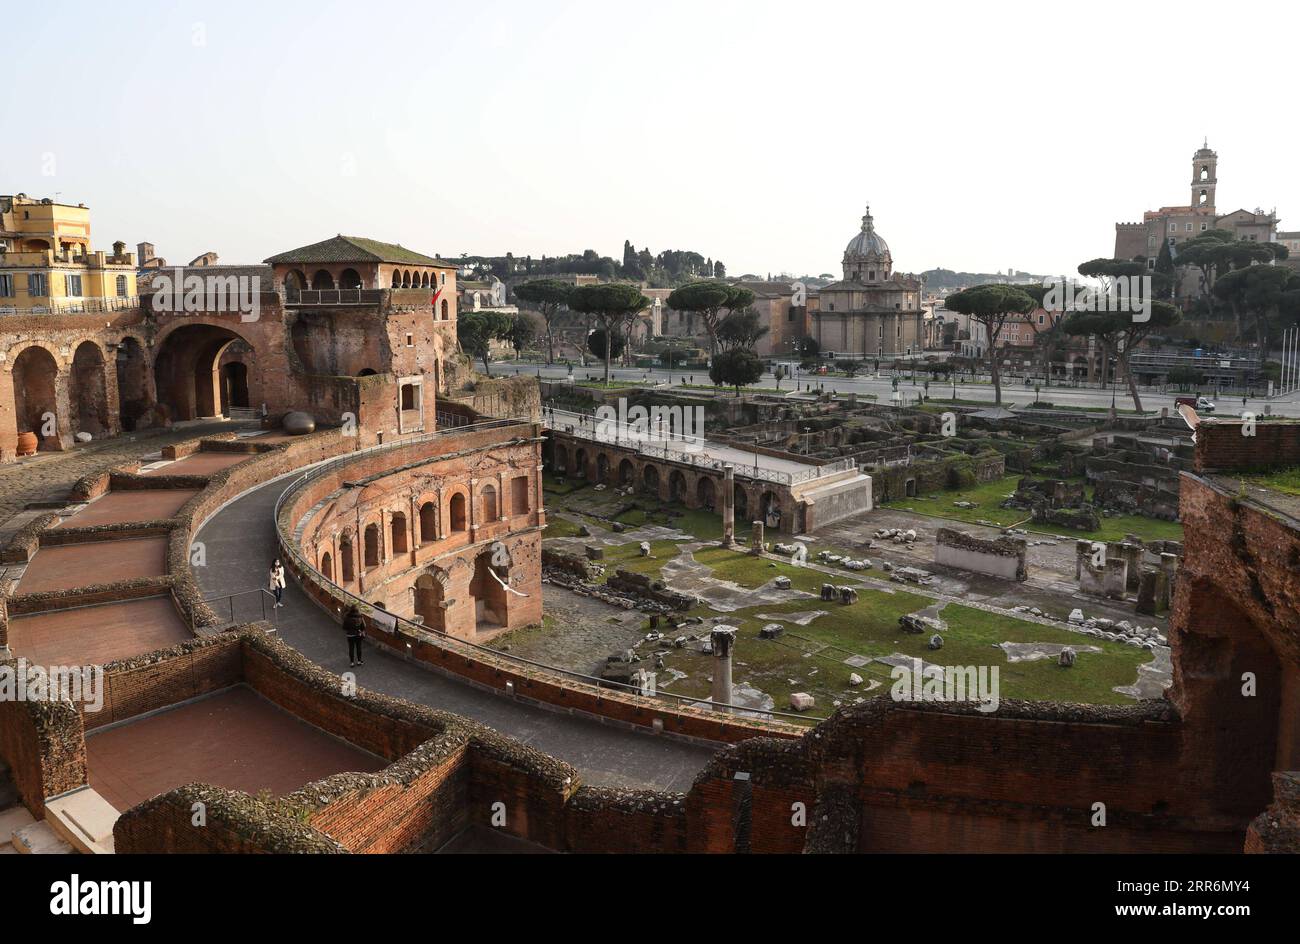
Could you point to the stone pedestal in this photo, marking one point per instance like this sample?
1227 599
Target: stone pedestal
756 538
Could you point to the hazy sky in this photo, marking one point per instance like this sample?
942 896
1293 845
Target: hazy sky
984 135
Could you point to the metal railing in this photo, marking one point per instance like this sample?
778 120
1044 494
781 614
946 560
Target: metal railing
691 452
417 632
334 296
66 306
262 595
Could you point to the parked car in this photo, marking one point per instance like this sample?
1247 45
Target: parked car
1199 404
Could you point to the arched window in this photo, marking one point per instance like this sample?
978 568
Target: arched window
445 311
327 566
398 529
490 512
121 286
397 279
457 515
428 523
372 546
345 559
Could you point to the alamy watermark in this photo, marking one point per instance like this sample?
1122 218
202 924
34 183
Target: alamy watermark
23 681
1121 293
678 427
193 294
977 684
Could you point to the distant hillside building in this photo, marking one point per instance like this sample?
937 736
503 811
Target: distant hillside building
871 312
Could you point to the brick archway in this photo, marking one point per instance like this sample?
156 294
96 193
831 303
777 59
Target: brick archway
187 373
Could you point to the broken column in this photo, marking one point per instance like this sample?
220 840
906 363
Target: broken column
729 506
756 537
723 639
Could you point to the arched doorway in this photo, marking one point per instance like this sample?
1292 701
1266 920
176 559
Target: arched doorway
705 494
677 486
456 512
580 464
651 479
327 566
742 504
602 468
322 280
186 373
626 473
371 545
770 509
397 533
349 278
234 385
347 565
35 401
89 391
132 384
489 595
429 600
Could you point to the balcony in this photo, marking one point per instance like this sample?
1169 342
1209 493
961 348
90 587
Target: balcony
334 296
70 306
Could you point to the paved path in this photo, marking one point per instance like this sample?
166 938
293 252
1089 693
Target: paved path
240 541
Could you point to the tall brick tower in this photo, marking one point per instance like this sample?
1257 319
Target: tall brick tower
1204 178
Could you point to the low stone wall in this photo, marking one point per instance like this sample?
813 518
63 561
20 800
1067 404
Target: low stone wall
43 745
1001 557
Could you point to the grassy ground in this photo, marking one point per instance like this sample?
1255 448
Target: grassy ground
988 498
811 658
1287 482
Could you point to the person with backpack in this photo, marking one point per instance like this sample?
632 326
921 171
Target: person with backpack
354 627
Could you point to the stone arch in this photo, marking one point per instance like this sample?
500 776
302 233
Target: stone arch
626 473
133 401
349 278
602 468
322 280
186 371
347 558
430 596
677 486
397 533
295 280
706 495
456 512
742 502
424 280
580 464
36 380
428 522
89 391
406 278
327 566
488 595
769 508
650 478
234 385
491 503
396 280
372 548
559 459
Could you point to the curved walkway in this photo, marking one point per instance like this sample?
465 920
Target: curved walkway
239 543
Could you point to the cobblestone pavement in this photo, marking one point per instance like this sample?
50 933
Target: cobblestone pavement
48 476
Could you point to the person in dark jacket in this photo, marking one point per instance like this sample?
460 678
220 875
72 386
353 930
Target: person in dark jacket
354 626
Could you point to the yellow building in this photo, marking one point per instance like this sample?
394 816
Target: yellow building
47 265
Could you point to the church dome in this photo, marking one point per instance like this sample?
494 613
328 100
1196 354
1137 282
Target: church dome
867 243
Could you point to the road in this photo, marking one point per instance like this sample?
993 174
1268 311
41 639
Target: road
1013 392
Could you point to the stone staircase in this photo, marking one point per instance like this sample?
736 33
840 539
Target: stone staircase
78 821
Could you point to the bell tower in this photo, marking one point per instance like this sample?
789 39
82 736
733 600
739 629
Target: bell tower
1204 178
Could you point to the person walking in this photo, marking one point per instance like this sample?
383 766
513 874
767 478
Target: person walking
276 582
354 627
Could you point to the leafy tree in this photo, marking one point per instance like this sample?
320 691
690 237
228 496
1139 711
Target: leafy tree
606 304
476 330
992 306
808 347
596 343
523 332
709 299
548 296
1264 293
741 329
780 373
738 367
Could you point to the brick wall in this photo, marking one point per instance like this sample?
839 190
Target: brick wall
1220 445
